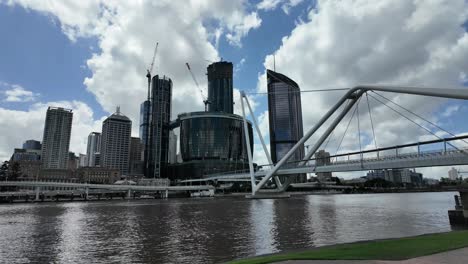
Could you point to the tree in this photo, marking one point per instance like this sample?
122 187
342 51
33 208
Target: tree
4 170
15 171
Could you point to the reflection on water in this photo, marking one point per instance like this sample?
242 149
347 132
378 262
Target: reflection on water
209 230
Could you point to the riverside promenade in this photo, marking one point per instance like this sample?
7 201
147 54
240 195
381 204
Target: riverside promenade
456 256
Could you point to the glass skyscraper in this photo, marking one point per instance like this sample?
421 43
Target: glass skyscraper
220 94
285 116
158 150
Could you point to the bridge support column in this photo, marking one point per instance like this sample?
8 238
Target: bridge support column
166 194
86 193
38 190
247 141
129 194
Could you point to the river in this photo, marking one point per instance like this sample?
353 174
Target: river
209 230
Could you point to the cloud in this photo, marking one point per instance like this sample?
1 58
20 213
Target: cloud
286 5
345 43
16 93
127 31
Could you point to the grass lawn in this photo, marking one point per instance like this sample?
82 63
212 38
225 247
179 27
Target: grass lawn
391 249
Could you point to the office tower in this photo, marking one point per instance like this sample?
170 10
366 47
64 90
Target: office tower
172 156
56 139
158 146
323 158
93 148
136 156
145 112
285 116
83 160
220 93
115 142
32 144
453 174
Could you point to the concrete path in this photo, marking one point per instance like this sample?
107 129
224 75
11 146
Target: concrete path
458 256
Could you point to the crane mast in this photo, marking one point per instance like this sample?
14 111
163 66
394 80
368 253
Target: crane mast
205 100
149 71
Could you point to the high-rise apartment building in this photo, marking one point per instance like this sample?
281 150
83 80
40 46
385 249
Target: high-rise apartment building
172 155
56 139
323 158
136 156
220 90
285 116
158 146
115 142
93 149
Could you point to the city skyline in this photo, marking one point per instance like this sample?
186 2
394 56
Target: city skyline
90 107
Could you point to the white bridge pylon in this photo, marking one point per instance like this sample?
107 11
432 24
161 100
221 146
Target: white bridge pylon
351 96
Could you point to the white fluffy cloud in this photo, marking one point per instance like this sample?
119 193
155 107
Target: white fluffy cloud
345 43
16 93
127 31
286 5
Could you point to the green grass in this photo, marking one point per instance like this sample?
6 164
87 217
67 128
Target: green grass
391 249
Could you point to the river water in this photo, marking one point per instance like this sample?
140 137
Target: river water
209 230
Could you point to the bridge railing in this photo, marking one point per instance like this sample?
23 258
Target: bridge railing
420 154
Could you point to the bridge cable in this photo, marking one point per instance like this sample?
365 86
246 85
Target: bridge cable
344 134
359 126
372 123
435 125
426 129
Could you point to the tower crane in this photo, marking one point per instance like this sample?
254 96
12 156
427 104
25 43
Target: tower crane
205 100
150 70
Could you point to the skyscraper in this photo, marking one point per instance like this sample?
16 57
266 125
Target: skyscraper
115 142
158 146
220 94
93 148
145 112
136 157
172 155
56 139
285 116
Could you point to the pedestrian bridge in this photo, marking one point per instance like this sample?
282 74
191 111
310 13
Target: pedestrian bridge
374 159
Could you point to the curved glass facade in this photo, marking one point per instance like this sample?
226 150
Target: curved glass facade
285 116
208 135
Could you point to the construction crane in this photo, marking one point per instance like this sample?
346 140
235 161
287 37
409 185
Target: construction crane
205 100
150 70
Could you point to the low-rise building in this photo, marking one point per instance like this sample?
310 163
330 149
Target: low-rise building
98 175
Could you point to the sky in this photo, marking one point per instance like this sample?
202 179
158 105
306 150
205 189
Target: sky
92 56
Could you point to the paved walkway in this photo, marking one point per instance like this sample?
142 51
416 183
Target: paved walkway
458 256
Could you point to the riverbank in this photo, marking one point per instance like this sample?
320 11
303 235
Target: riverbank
389 249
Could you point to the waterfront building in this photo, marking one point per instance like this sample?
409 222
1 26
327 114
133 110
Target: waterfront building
285 116
323 158
453 174
29 169
220 87
210 143
83 160
73 161
403 176
115 142
20 154
93 148
56 138
136 156
32 144
158 138
97 175
172 156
